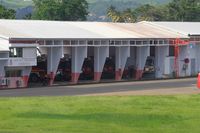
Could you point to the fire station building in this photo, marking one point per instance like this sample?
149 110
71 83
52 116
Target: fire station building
166 49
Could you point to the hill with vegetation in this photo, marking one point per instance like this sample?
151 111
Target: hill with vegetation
97 8
16 4
23 3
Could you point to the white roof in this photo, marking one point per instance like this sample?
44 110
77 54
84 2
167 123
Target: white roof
36 29
4 45
187 28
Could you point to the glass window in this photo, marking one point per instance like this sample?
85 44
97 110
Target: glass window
13 73
16 52
171 50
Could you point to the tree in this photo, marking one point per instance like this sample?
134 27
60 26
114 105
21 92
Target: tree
149 13
128 16
114 15
67 10
177 10
184 10
124 16
7 13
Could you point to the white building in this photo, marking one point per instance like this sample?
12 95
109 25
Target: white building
129 43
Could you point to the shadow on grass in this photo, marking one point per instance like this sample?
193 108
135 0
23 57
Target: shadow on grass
118 118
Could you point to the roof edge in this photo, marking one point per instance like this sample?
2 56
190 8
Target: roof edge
167 28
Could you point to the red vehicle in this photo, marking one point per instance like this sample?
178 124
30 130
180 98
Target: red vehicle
39 71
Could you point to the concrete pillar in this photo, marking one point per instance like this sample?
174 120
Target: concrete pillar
141 56
2 70
183 54
194 57
121 56
3 63
198 57
161 52
100 55
25 75
54 54
78 56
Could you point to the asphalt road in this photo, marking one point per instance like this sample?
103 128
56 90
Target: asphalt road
105 88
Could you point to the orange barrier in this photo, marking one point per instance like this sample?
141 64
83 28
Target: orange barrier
198 81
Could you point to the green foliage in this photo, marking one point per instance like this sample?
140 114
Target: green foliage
99 8
149 13
127 114
183 10
177 10
71 10
6 13
116 16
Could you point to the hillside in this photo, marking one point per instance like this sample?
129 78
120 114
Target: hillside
97 8
15 4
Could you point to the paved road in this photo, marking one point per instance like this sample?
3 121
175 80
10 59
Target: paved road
159 87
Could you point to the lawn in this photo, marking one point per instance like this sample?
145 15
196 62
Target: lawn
131 114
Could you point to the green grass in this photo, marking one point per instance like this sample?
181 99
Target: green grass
140 114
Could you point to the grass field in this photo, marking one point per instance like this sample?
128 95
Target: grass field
140 114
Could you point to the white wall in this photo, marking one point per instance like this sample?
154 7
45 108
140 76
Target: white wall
29 52
161 52
168 66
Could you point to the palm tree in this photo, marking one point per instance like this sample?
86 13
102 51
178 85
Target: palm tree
113 14
117 16
128 16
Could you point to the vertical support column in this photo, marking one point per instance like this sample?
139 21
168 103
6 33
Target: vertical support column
121 56
2 70
54 54
161 52
78 56
25 75
183 53
2 65
197 56
193 56
141 56
100 55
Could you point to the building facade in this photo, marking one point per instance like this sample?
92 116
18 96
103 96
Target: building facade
173 51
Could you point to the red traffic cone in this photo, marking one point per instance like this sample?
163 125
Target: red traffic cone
198 81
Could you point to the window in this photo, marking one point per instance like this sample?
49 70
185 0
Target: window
132 42
16 52
13 73
138 42
112 42
90 42
171 50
